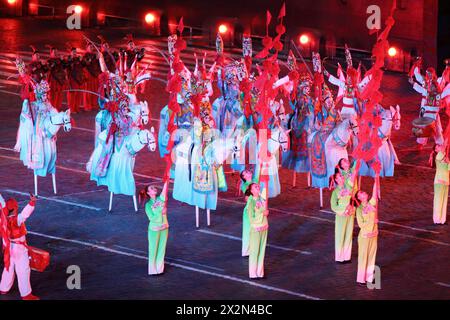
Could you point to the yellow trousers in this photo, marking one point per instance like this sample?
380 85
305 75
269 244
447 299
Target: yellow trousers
367 251
440 203
258 241
343 235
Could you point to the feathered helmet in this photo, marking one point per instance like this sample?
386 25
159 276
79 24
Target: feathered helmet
41 88
317 62
348 57
352 73
291 61
247 49
219 44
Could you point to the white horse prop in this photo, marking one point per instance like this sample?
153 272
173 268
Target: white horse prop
36 141
327 149
118 172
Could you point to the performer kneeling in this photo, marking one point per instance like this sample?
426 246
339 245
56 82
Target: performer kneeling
158 228
367 217
257 215
15 249
439 160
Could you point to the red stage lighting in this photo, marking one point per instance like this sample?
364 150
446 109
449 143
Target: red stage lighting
392 51
11 2
78 9
223 28
150 18
303 39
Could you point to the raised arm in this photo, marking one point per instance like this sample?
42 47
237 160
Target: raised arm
420 89
27 211
337 82
164 190
418 76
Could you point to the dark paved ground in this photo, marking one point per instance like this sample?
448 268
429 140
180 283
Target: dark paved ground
205 263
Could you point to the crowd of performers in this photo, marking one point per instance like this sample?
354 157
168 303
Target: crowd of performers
244 127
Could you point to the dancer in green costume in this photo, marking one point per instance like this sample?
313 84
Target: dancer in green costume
441 182
158 228
257 213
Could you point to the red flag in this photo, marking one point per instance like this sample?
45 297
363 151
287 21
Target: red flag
180 27
268 18
282 11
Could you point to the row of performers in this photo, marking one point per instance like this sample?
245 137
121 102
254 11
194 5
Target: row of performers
77 74
206 179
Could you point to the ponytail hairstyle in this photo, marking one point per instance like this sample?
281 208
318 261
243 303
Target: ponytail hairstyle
241 175
248 192
143 195
332 184
355 201
432 158
339 164
332 180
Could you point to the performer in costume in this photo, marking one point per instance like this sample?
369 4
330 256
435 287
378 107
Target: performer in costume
37 145
345 216
158 228
205 180
247 180
432 94
77 81
15 251
439 160
349 87
300 123
57 79
367 217
227 108
257 214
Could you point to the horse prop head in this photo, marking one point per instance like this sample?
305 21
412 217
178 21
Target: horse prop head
151 141
66 120
396 117
280 135
353 125
144 112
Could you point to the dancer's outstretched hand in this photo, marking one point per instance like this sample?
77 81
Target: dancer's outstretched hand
33 198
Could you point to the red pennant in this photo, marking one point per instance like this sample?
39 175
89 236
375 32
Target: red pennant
282 11
268 19
180 27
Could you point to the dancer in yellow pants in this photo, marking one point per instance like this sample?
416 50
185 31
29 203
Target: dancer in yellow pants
345 218
158 229
441 181
257 213
246 177
366 215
